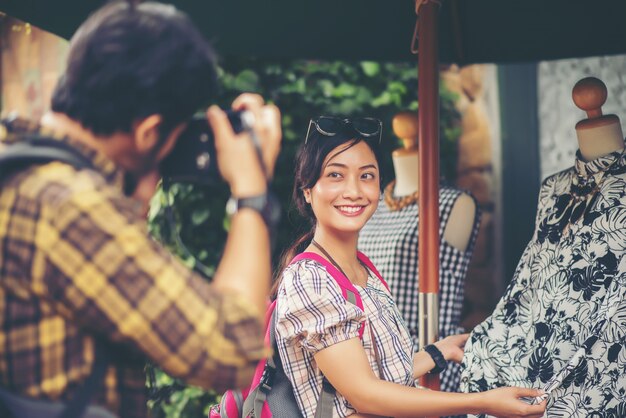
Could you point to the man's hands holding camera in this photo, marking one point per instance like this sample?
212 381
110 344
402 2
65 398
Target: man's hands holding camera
237 159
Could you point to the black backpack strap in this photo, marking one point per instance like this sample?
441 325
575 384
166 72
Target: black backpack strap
77 405
38 150
253 405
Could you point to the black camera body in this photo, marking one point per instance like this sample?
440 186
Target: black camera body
194 158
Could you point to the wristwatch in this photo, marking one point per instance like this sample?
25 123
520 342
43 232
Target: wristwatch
266 204
437 356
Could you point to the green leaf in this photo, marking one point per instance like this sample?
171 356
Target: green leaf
382 100
370 68
247 80
344 89
200 215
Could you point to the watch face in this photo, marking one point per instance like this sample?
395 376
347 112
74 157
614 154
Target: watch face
267 205
231 206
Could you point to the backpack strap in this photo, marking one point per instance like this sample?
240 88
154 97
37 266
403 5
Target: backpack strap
255 403
348 290
368 263
38 150
78 404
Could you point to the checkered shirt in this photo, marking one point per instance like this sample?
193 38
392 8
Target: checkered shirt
312 314
76 262
390 239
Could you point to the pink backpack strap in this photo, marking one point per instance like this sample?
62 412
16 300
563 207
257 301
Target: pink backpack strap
363 258
261 364
348 290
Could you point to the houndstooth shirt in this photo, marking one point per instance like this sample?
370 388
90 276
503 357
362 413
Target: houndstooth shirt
390 239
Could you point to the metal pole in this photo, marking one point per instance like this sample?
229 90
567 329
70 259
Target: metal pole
428 142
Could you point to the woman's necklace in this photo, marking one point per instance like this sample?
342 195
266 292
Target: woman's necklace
397 203
329 257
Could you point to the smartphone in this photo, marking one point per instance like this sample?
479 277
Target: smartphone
193 159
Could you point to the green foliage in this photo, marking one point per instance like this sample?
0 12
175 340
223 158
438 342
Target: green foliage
301 89
182 402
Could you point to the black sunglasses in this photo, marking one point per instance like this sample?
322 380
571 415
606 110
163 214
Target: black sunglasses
331 126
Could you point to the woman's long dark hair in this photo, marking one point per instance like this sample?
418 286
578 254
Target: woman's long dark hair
308 169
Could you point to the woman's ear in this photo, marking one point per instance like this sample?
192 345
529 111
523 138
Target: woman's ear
307 195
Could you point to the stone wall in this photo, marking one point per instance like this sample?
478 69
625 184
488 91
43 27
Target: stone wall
31 63
558 114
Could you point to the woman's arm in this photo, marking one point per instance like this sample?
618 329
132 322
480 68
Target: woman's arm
346 367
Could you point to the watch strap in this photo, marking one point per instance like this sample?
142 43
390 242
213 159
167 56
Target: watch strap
266 204
437 356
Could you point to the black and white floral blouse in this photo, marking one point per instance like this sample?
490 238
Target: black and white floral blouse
568 294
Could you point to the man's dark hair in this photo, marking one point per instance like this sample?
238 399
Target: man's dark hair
130 61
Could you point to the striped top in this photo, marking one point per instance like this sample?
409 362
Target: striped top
312 314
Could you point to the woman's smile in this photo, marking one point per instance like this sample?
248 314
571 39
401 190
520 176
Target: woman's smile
351 210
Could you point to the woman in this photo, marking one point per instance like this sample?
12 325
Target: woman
337 187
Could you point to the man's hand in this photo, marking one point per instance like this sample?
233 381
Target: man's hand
237 159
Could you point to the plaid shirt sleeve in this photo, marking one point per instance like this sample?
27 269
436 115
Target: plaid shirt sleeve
97 262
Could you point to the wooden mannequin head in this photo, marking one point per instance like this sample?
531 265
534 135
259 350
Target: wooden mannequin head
599 134
406 158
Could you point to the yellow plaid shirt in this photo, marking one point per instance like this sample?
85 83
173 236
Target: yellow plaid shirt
76 262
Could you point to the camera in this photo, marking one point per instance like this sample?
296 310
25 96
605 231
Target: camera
193 158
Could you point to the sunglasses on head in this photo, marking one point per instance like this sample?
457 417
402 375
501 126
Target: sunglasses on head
331 126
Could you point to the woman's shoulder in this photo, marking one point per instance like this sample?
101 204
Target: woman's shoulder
306 273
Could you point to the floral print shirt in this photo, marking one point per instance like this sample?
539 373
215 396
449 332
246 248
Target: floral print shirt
571 279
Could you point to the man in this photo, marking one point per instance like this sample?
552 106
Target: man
76 263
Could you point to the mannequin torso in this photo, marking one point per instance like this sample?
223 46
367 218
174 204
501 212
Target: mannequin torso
391 239
458 230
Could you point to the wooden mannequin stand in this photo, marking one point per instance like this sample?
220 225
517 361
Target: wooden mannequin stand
599 134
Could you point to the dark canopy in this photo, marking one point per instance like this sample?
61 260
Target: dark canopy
472 31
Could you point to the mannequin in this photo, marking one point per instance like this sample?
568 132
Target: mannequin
406 167
559 326
599 134
390 240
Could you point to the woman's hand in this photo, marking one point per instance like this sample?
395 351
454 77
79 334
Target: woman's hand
452 347
506 403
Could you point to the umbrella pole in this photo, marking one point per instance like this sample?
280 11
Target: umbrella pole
428 142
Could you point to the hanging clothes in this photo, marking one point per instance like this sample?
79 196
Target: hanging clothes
390 240
568 292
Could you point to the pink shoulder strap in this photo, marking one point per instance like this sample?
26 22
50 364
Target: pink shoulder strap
363 258
346 286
